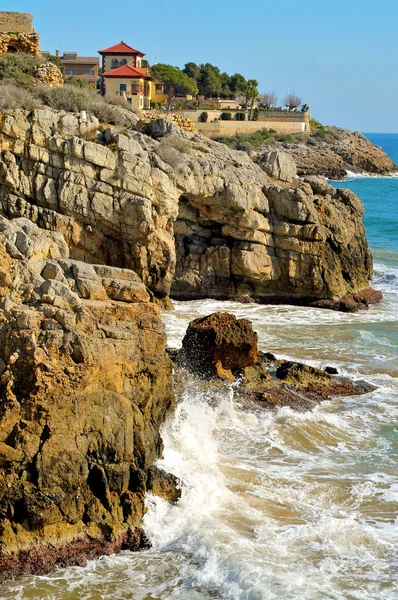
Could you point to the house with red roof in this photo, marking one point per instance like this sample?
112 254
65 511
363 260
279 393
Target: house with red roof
123 75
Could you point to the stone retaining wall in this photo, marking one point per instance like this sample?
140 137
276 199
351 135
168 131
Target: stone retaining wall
231 128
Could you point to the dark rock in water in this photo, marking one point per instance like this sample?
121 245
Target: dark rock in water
351 302
173 353
163 484
293 372
218 344
331 370
267 356
222 347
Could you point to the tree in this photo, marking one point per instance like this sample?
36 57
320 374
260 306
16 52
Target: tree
251 95
268 99
237 84
209 83
305 108
173 79
292 101
192 70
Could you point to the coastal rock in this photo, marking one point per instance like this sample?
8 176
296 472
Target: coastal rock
224 349
278 165
218 344
85 384
191 217
338 152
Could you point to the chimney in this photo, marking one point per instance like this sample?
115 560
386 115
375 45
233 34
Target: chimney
57 53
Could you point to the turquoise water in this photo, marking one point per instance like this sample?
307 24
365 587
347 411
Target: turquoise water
276 505
380 196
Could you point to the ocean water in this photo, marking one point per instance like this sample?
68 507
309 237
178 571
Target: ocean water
276 504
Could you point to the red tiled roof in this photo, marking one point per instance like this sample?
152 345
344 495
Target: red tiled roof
121 48
126 71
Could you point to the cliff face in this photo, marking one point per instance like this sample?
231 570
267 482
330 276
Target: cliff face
84 387
190 216
343 151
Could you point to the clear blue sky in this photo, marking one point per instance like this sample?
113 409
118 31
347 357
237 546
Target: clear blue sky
339 56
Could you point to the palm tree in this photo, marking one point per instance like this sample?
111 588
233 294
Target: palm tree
251 95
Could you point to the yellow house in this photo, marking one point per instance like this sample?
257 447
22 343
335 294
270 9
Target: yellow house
123 75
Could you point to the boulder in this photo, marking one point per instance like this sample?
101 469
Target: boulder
219 344
278 165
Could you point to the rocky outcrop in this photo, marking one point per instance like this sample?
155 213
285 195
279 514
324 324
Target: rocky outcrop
191 217
85 384
279 165
219 344
341 151
221 348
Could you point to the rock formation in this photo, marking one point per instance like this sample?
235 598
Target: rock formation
222 348
191 217
219 343
84 387
343 151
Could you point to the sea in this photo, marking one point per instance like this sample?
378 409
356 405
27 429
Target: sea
276 504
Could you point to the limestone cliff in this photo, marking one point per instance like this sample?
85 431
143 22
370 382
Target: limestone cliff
84 387
191 217
337 153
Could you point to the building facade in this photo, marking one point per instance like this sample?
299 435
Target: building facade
124 75
85 68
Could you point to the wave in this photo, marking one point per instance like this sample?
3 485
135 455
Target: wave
364 175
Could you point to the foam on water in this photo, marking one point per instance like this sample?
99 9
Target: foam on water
275 504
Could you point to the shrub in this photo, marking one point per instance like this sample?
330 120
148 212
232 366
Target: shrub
226 116
68 98
19 68
240 116
81 83
13 96
203 117
255 115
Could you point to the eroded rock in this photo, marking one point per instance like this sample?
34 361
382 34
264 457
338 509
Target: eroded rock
191 217
85 384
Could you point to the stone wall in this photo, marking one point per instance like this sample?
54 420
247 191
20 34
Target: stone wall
280 121
16 22
231 128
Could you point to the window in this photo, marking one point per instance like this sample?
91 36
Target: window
123 62
159 88
135 87
89 72
69 72
123 87
129 100
115 63
138 62
70 56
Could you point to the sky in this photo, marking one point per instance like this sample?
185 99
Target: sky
339 56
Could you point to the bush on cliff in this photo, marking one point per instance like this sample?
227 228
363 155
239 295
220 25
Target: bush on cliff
13 96
18 68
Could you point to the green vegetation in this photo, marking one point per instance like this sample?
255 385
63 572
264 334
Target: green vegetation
18 68
212 83
204 117
174 80
269 137
226 116
19 89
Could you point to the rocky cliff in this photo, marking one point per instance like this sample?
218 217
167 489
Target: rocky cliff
191 217
338 152
84 387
